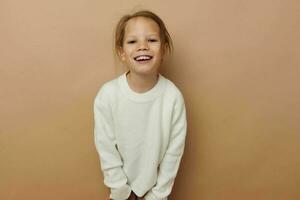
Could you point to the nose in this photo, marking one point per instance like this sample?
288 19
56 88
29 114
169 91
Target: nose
143 46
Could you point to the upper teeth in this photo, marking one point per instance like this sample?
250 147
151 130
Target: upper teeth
143 57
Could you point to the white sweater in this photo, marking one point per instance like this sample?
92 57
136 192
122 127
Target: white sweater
140 137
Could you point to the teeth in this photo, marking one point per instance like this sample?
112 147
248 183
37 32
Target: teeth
143 57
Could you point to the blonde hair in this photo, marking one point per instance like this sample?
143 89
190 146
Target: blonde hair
165 37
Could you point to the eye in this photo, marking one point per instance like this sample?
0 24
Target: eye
131 42
152 40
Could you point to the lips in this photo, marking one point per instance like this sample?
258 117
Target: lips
143 58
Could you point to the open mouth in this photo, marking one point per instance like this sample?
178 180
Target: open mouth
143 58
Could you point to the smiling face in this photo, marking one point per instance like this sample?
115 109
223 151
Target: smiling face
142 50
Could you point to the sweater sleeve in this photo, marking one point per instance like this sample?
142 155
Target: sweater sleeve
170 163
110 159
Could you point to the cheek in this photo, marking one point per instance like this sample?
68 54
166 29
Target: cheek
129 51
157 48
126 53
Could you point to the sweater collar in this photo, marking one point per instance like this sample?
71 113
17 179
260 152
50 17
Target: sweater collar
145 96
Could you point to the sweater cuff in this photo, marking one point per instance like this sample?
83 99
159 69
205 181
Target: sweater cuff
151 196
121 193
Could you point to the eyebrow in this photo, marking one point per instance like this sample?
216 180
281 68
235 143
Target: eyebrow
133 36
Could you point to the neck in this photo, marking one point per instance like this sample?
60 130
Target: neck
141 83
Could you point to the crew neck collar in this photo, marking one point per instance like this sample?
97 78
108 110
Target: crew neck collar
149 95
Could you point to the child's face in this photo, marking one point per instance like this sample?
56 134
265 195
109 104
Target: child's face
142 50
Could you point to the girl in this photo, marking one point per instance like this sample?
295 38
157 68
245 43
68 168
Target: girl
140 117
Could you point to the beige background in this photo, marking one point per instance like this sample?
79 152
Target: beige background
236 62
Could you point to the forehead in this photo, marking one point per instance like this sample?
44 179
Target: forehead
140 26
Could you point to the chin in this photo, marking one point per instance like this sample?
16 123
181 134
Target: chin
144 70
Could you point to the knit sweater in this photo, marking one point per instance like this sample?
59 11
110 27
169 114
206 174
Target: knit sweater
140 137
